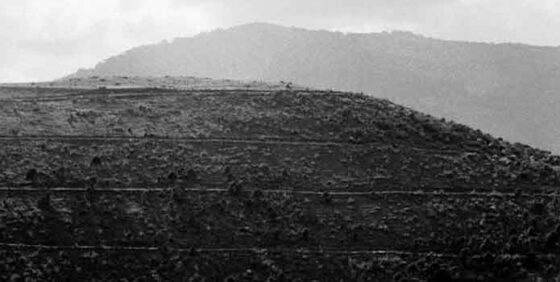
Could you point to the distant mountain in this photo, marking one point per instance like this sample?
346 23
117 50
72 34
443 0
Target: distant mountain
508 90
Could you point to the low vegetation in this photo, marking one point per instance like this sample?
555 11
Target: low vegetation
157 184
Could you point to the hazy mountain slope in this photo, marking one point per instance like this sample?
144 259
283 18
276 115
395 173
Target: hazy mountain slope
509 90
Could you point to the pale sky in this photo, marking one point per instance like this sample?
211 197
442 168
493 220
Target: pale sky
47 39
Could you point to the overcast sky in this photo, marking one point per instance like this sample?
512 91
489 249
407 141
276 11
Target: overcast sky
47 39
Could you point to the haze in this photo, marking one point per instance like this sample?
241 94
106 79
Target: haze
46 39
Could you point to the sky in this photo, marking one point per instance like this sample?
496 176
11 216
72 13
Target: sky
47 39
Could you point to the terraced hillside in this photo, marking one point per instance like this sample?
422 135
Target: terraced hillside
256 184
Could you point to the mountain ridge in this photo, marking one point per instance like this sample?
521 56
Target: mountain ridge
506 89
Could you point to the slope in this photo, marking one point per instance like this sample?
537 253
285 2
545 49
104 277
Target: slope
257 183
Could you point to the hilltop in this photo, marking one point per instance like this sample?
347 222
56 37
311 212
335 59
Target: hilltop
161 82
436 153
508 90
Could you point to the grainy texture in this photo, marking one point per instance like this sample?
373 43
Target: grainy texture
385 193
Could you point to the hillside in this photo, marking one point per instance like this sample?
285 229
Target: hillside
254 183
508 90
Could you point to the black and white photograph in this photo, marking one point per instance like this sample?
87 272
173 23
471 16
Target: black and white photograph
280 140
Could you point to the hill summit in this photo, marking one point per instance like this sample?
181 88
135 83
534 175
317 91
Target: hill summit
398 148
